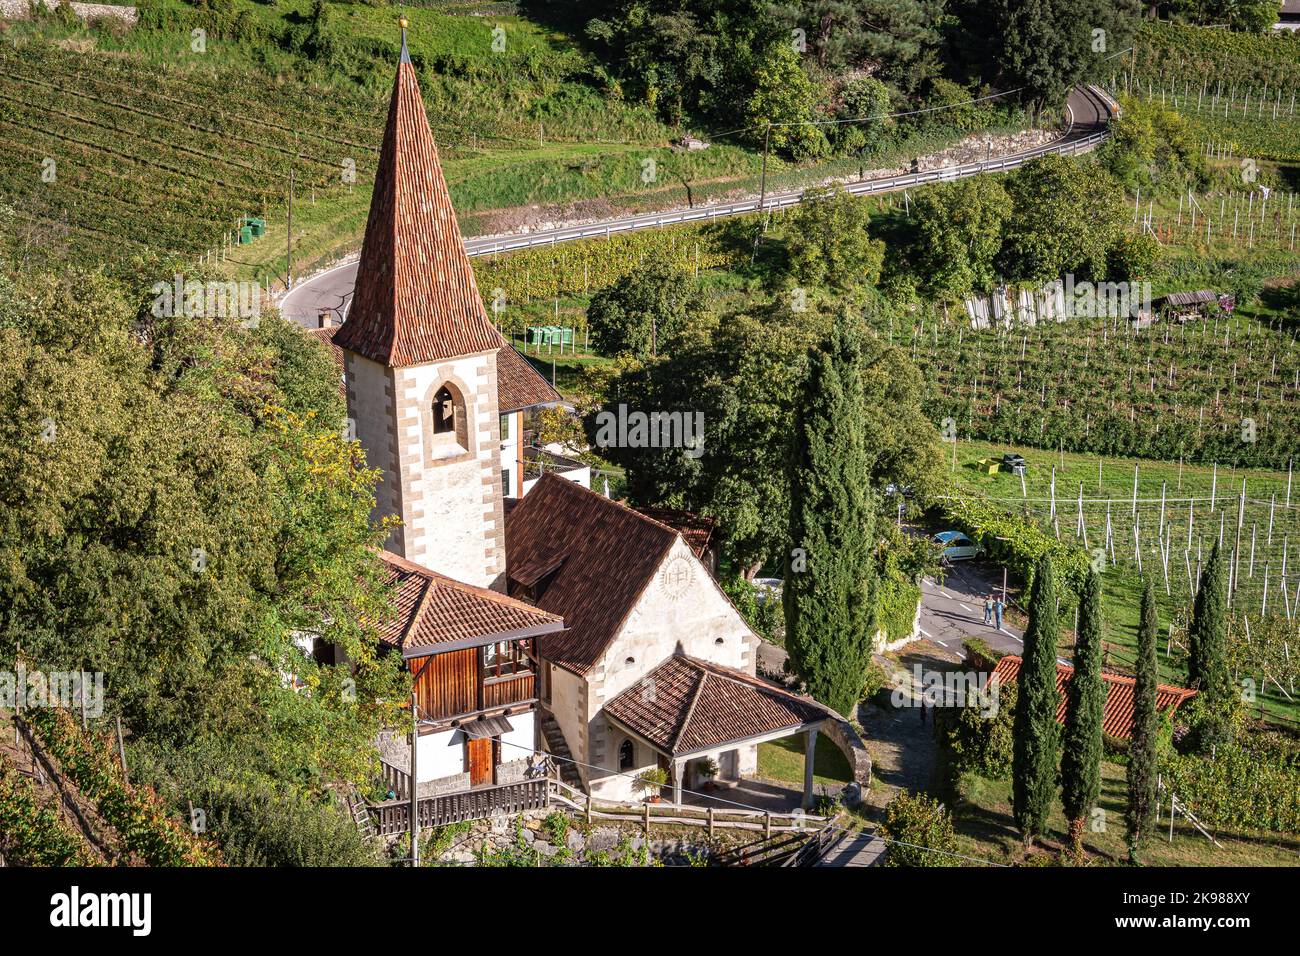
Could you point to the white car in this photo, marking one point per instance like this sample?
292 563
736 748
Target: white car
957 546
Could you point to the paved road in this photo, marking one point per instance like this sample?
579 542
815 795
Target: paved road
954 610
1088 109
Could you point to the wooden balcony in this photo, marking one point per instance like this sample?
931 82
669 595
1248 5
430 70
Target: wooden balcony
503 691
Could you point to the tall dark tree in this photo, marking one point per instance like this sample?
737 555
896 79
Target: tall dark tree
1141 771
1207 661
1209 618
1046 47
1033 760
829 587
1081 743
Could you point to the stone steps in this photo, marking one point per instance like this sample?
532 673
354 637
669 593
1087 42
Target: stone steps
558 748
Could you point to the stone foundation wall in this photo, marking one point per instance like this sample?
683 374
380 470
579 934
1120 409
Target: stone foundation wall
21 10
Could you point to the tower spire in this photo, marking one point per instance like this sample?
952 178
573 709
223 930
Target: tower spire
415 299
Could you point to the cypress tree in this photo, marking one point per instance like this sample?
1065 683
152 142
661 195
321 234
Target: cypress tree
1209 615
1207 663
829 590
1141 772
1081 743
1033 759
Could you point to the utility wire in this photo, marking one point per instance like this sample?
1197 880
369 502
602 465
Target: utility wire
745 806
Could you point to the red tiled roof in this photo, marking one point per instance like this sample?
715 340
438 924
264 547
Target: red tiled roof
434 610
696 530
519 385
610 554
686 704
415 300
1117 721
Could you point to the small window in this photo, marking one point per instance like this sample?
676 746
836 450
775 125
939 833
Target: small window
444 411
626 756
505 427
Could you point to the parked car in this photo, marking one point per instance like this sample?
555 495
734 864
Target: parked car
1014 463
957 546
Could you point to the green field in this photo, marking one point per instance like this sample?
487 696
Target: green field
161 142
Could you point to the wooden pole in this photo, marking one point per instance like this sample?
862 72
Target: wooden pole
414 783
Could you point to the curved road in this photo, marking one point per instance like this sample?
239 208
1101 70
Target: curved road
1088 109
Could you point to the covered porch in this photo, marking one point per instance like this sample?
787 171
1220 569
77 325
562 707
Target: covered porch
703 724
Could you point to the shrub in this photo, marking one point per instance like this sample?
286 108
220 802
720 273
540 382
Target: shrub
980 742
922 828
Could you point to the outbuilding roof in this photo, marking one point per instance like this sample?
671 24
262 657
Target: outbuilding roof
1117 720
685 705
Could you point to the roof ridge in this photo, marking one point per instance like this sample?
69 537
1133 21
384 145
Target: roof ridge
434 578
690 710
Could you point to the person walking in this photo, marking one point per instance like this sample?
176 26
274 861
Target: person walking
988 608
998 607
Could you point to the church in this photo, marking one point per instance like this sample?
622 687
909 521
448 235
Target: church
572 635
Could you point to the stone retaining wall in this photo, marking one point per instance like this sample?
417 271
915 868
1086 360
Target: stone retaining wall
21 10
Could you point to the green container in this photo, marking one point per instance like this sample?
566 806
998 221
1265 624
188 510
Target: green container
258 226
245 235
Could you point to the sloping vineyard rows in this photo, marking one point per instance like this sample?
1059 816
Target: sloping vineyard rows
1222 389
141 162
533 275
1191 53
1259 122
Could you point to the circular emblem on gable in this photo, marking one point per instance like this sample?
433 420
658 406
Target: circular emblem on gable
676 576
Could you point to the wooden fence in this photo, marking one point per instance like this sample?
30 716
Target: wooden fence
393 816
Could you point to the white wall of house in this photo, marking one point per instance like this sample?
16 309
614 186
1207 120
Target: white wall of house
519 743
441 755
681 611
579 476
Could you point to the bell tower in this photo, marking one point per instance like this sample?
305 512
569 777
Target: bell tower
420 358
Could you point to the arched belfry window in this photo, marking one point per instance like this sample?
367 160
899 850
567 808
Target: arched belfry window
450 421
626 756
444 411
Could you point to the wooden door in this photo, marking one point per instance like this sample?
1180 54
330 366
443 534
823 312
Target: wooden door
478 757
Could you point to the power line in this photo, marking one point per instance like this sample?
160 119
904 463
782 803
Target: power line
744 806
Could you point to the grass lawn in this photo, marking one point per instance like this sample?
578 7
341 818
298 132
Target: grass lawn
783 760
985 828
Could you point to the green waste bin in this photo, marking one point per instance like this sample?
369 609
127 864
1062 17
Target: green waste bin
245 234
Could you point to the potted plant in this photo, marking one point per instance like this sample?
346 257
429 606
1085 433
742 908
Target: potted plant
651 782
708 770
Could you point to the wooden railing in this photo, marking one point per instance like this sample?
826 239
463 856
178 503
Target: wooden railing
681 814
502 691
393 816
397 779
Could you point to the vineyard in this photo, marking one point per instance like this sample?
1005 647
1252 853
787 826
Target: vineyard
1224 388
1236 89
1129 517
109 163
